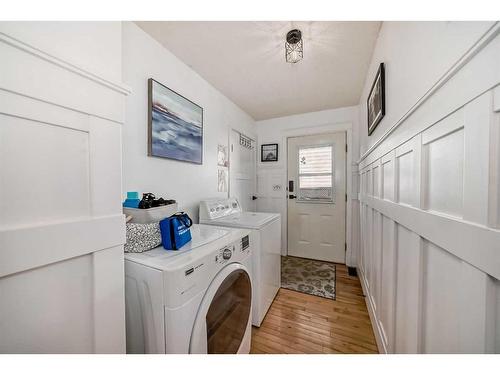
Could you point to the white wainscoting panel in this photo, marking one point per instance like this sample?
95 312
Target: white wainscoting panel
362 228
388 283
53 317
405 178
369 246
376 259
41 154
408 264
376 181
61 221
461 290
388 179
443 148
429 209
477 158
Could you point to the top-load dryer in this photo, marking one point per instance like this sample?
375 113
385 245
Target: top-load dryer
266 246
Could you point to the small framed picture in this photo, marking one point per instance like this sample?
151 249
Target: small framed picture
269 152
222 158
376 100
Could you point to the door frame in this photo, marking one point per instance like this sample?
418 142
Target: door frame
351 176
254 139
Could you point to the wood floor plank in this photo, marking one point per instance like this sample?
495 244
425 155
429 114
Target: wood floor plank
302 323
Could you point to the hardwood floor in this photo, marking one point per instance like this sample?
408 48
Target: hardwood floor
300 323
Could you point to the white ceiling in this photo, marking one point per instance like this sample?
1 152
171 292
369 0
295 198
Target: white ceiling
246 62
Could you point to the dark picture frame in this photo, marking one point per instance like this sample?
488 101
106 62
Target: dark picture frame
375 103
175 125
269 152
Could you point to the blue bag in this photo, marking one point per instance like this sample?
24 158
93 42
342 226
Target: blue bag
175 231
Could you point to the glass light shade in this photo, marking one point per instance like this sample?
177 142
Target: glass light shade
294 52
294 46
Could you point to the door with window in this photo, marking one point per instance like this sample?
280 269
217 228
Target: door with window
317 197
242 160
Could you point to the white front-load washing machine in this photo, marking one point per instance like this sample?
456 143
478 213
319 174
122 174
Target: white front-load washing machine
265 236
194 300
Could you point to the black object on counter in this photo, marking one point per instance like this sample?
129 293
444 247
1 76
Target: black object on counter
149 201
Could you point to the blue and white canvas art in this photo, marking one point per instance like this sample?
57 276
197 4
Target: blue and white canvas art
175 125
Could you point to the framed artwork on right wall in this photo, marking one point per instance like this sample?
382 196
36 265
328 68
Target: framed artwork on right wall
376 100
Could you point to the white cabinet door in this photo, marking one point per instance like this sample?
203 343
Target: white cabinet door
317 200
242 176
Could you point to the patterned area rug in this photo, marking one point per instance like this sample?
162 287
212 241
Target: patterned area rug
308 276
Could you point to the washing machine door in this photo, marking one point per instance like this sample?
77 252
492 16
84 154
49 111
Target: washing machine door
224 313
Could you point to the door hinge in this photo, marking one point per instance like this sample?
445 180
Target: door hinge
346 197
345 246
346 147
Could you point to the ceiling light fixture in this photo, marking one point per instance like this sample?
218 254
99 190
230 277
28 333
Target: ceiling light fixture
294 46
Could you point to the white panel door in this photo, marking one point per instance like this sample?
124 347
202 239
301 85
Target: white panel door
317 199
242 184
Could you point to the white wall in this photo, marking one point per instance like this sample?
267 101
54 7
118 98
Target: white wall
187 183
75 43
61 222
415 55
429 258
270 174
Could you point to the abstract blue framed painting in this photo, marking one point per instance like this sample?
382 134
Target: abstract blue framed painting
175 126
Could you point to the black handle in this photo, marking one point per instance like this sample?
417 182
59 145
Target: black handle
290 186
254 197
291 196
184 218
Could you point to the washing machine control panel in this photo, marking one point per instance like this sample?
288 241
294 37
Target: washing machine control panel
234 250
224 254
245 243
215 209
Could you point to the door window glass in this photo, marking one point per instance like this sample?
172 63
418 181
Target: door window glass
228 315
316 173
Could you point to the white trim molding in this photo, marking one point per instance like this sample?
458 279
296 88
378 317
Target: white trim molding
118 87
91 94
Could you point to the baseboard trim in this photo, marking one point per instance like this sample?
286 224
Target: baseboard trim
373 318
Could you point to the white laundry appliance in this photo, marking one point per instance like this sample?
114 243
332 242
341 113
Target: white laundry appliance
266 246
193 300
